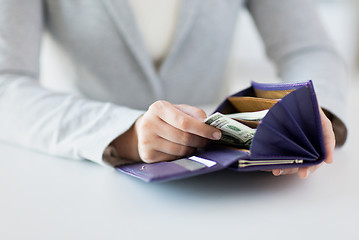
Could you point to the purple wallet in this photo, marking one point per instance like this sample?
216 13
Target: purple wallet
289 136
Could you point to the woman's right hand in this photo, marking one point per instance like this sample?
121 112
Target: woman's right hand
166 132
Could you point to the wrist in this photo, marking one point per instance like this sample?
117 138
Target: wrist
126 144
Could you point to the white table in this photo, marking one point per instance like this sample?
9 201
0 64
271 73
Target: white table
44 197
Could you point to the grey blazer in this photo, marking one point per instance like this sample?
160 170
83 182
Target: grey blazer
117 77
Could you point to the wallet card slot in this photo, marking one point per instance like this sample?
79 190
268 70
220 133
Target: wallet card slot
271 94
251 104
268 143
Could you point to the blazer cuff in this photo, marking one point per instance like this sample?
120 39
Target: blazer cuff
115 124
111 158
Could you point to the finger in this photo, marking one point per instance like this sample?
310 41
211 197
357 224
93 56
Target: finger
192 111
329 137
149 150
178 119
172 148
289 171
314 168
157 127
329 141
175 135
306 171
279 172
157 156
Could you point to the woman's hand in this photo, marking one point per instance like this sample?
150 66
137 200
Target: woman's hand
166 132
329 140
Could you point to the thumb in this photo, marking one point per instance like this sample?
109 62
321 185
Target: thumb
194 112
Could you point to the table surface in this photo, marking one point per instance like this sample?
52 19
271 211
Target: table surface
45 197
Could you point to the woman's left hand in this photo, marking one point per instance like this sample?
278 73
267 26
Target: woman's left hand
329 140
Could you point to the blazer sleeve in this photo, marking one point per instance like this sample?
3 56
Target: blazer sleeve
40 119
300 48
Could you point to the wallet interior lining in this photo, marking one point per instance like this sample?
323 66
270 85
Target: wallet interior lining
251 104
271 94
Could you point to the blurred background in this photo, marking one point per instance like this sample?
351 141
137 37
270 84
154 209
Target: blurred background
247 60
341 20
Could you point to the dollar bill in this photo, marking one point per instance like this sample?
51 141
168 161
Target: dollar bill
249 116
233 132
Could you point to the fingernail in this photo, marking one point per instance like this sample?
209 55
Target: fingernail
308 173
217 135
278 173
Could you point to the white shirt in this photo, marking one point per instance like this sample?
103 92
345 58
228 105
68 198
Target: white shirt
156 21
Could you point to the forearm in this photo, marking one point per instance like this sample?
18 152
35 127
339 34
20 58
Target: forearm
58 124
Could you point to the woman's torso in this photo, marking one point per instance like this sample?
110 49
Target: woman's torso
111 60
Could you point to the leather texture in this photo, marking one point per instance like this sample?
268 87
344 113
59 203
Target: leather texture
166 171
291 130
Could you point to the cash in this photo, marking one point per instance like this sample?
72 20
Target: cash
233 132
249 116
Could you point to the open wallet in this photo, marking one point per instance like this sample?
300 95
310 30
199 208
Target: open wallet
290 135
